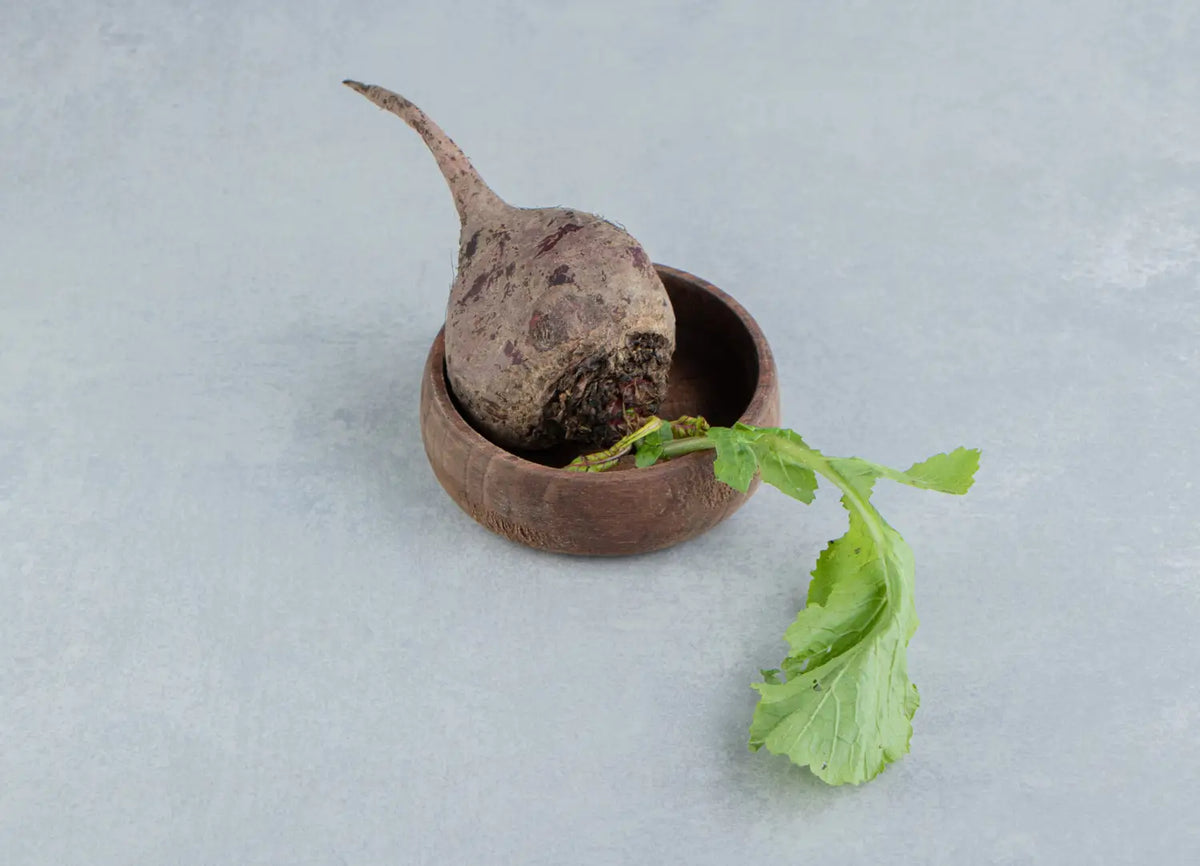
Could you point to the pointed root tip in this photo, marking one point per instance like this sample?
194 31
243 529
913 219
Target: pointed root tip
355 85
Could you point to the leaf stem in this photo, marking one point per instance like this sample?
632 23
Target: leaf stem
602 460
679 447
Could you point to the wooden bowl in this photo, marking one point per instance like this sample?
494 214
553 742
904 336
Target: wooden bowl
722 369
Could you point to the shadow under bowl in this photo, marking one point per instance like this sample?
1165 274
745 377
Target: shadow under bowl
722 369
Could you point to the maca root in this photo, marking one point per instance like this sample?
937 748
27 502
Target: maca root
606 395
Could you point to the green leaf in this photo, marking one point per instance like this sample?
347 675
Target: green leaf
779 470
846 704
949 473
649 449
846 708
736 462
647 456
841 702
847 579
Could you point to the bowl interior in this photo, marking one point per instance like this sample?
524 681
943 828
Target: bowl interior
714 370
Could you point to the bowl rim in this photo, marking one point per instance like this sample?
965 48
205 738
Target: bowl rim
759 403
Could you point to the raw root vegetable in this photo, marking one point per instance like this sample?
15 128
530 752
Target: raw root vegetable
841 702
558 326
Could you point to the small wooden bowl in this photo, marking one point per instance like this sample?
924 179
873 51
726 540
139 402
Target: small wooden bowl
722 369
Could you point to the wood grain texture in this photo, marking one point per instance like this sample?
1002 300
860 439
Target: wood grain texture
723 370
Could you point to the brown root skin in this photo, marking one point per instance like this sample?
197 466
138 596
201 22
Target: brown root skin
557 325
600 399
471 194
554 309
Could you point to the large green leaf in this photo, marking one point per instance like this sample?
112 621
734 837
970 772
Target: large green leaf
846 707
842 703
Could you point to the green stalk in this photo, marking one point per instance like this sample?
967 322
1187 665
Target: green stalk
679 447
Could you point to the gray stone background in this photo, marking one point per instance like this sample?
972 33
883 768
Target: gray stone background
241 623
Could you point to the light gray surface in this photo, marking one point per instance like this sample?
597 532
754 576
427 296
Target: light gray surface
242 624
